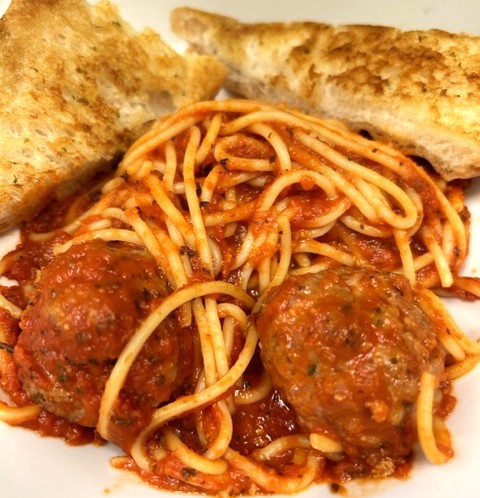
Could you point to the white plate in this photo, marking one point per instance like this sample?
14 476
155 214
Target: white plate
34 466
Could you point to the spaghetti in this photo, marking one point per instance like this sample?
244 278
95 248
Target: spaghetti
227 200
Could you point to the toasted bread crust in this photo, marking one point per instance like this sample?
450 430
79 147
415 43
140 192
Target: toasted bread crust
78 85
418 90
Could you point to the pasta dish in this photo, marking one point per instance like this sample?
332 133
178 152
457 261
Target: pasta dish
249 305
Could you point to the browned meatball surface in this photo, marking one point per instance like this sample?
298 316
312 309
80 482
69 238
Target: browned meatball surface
347 348
87 304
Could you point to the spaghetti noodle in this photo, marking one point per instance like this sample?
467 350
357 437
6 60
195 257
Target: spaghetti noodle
229 199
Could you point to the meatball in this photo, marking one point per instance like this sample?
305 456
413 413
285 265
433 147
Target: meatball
87 304
347 347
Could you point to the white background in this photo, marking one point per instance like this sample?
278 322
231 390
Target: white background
30 465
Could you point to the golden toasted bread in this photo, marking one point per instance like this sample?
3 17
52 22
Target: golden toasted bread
77 86
417 90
